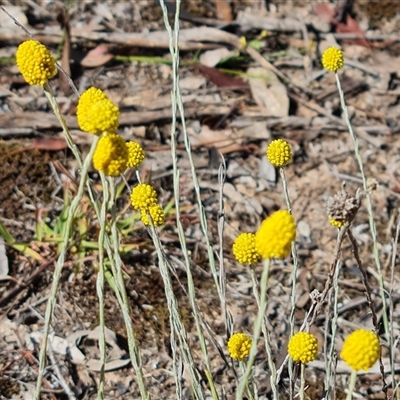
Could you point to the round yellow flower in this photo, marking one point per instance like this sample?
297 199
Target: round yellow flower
35 62
239 346
332 59
303 347
244 249
335 222
143 196
275 235
156 213
361 349
96 113
279 153
111 155
136 154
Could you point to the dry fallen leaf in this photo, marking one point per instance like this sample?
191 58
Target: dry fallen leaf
48 144
223 10
211 138
222 80
211 58
97 57
268 92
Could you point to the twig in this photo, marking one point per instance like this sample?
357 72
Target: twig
67 390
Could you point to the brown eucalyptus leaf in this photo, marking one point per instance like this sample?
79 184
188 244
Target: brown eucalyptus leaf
222 80
97 57
48 144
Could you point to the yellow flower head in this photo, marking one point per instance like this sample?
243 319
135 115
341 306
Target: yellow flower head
335 222
361 349
111 155
275 235
35 62
279 153
332 59
244 249
239 346
96 113
143 196
303 347
156 213
136 154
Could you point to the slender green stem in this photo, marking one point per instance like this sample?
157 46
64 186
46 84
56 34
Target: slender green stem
393 287
175 319
56 109
249 385
122 297
178 104
352 385
302 381
57 271
334 325
293 276
100 285
256 330
267 339
115 262
174 50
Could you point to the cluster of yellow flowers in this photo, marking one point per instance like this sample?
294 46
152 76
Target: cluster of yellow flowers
361 349
144 198
279 153
332 59
95 112
272 240
277 232
244 249
239 346
98 115
111 154
303 347
35 62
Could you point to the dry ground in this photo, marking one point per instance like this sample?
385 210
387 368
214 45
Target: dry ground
229 118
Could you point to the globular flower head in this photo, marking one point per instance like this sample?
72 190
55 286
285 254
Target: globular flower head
96 113
136 154
143 196
111 155
35 62
303 347
156 213
239 346
275 235
279 153
361 349
244 249
332 59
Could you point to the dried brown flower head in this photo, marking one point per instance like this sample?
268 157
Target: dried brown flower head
343 207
